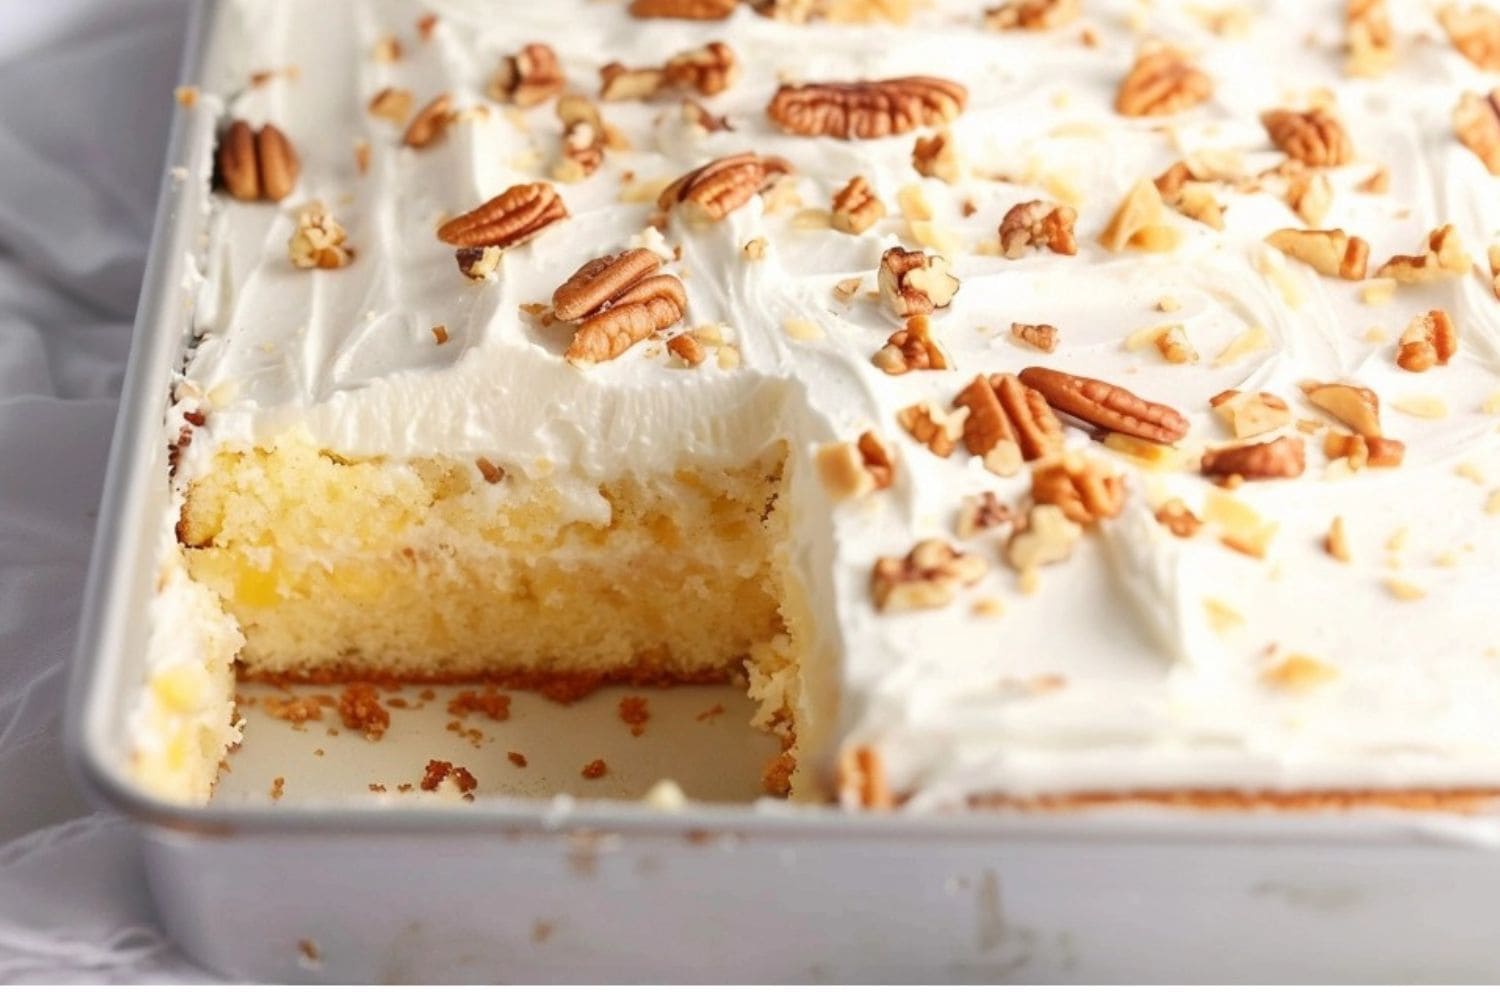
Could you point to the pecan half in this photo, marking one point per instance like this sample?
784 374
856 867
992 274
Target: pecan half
1081 488
1007 423
529 77
601 281
431 123
913 283
929 576
938 430
512 217
1360 451
1038 224
720 186
1106 405
653 304
1313 137
1031 15
1444 257
868 109
855 207
1355 406
709 70
1476 122
583 138
257 165
1475 32
690 10
934 156
1330 252
318 240
1161 82
1428 340
1282 458
911 348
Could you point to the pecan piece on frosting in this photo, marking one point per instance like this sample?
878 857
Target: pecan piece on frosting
1282 458
582 141
712 191
596 284
914 283
1041 336
391 103
430 124
1080 487
866 109
318 240
935 156
1038 224
910 349
1360 451
1106 406
855 469
1476 122
1007 423
1368 37
257 165
709 70
509 219
1031 15
931 426
620 300
1330 252
1161 82
855 207
617 82
529 77
697 115
929 576
1353 405
1250 414
1474 32
1313 137
1428 340
1444 257
689 10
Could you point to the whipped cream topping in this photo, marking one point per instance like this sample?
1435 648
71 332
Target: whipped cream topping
1140 663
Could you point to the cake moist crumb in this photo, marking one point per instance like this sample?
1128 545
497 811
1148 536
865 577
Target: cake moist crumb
634 713
595 769
489 701
360 708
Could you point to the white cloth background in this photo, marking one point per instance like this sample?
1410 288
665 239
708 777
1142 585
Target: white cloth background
85 102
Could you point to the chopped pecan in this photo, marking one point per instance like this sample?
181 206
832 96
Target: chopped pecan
1444 258
1048 536
867 109
620 83
583 138
1176 518
1161 82
1313 137
1360 450
938 430
1031 15
1250 414
1080 487
509 219
709 70
696 114
431 123
854 470
1173 345
913 283
911 348
1037 224
685 348
1356 406
1476 122
1106 406
529 77
1428 340
689 10
1330 252
1042 336
1282 458
393 104
855 207
1309 195
1368 37
1493 255
257 165
934 156
1007 423
720 186
477 263
929 576
318 240
983 512
1139 222
1475 32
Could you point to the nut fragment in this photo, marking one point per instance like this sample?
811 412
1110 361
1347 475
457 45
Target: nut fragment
1106 406
393 104
685 348
583 138
1357 407
1139 222
1476 122
934 156
712 191
855 207
1309 195
1042 336
318 240
911 348
1007 423
1428 340
1281 458
1031 15
1368 37
619 83
929 576
1475 32
709 70
690 10
431 123
1313 137
513 217
854 470
1250 414
1080 487
1359 450
1037 224
1336 542
529 77
867 109
913 283
257 165
477 263
1174 347
931 426
983 512
1048 537
1330 252
1161 82
1176 518
696 114
1444 258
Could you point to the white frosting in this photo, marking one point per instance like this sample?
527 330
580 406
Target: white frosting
1154 696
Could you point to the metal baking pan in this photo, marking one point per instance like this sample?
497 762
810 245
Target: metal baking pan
532 886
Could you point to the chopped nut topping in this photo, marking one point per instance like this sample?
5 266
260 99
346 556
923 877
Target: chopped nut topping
712 191
934 156
1251 414
929 576
1031 15
931 426
619 83
911 348
1299 673
529 77
855 207
1162 82
1174 347
1176 518
1443 258
1107 406
688 10
845 290
1404 590
1368 38
1310 196
430 124
709 70
696 114
387 49
1139 222
362 156
1080 487
491 472
1048 536
1475 32
1336 542
1241 528
855 470
257 165
440 334
1282 458
393 104
1330 252
1041 336
516 215
1428 340
867 109
685 348
913 283
1357 407
981 513
1476 122
1007 423
1421 407
1313 137
478 263
318 240
1038 224
1360 451
584 135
